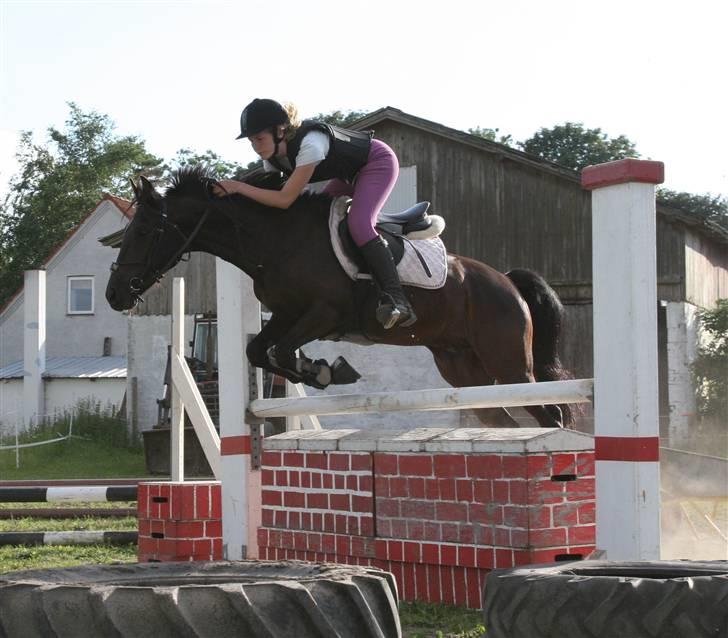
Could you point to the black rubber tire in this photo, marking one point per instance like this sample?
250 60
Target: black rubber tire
257 599
608 599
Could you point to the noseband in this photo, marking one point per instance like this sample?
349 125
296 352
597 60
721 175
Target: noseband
137 284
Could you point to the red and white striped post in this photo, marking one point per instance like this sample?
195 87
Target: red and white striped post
625 357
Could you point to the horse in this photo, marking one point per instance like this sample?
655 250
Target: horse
482 327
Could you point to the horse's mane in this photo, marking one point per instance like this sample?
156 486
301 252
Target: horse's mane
196 181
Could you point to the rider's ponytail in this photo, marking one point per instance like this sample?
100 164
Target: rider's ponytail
294 121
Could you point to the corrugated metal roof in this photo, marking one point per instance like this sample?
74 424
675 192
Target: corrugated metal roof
73 368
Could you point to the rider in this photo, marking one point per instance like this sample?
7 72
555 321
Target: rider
356 165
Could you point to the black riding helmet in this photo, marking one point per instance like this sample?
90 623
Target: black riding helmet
260 115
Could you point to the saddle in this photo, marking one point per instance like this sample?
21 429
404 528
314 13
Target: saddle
395 228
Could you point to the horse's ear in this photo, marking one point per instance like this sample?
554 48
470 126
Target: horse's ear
147 194
134 188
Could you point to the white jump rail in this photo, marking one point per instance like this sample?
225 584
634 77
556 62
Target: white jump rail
511 395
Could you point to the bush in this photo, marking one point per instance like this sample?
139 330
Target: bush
710 368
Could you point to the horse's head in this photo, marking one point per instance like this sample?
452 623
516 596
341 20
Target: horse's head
153 243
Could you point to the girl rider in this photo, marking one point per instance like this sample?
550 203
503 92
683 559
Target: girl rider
357 165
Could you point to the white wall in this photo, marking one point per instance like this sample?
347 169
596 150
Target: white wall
74 335
148 338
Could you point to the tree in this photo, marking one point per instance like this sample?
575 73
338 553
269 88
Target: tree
216 166
59 183
711 207
340 118
575 147
710 368
491 134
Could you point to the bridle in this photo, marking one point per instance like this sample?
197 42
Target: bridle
137 284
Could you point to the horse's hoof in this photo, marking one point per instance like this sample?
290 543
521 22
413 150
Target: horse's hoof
342 373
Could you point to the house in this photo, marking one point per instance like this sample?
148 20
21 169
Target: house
511 210
83 354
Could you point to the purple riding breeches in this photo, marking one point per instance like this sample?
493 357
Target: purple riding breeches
373 184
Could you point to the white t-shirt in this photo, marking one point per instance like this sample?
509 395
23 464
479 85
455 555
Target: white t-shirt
314 149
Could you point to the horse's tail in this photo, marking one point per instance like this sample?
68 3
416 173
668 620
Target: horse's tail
547 314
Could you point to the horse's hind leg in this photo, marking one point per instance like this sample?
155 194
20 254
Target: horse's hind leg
462 368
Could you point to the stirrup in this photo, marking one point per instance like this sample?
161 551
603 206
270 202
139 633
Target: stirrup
389 316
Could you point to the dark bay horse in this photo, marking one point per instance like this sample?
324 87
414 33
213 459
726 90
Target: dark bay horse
482 327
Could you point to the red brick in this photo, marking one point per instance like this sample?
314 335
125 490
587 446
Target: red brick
432 489
464 490
271 497
399 528
466 534
184 549
448 555
327 481
418 509
352 483
362 503
281 518
416 487
365 484
294 478
217 549
415 464
518 492
408 579
202 547
384 527
502 536
316 460
294 520
518 538
485 557
213 529
329 523
521 557
448 593
538 466
547 491
381 550
191 529
317 521
540 517
352 526
271 458
451 511
491 514
420 582
316 480
473 580
381 487
466 556
482 491
287 540
447 489
502 491
216 501
294 499
395 550
262 537
514 467
515 516
416 530
361 462
366 526
587 513
300 541
563 464
267 517
388 507
412 552
434 585
317 500
339 461
385 464
566 514
305 479
548 537
186 496
398 487
449 465
293 459
461 596
267 477
585 464
339 482
282 477
431 553
582 535
328 543
580 489
484 466
450 532
433 531
144 527
503 558
142 501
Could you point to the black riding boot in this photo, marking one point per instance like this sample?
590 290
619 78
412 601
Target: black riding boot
394 307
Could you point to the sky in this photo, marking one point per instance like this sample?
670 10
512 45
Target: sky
177 74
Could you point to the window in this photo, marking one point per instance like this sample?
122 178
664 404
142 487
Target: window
80 295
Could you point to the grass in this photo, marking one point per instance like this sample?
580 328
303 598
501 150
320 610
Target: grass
104 454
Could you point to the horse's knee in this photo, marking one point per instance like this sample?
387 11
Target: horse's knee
256 352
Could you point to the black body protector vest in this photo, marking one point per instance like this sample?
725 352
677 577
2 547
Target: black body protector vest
348 152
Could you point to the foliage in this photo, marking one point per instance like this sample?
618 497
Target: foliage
340 118
707 206
58 184
55 556
575 147
428 620
710 368
216 166
492 134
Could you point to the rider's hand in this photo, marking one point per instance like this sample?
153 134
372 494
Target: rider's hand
224 187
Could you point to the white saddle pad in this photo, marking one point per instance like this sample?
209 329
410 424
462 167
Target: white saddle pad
410 269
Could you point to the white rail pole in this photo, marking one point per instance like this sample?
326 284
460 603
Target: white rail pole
625 357
177 432
517 394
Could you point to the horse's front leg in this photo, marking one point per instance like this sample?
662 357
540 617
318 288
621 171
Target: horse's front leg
257 349
317 322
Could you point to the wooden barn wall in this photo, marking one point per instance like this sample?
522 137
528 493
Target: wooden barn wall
200 288
670 260
706 270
